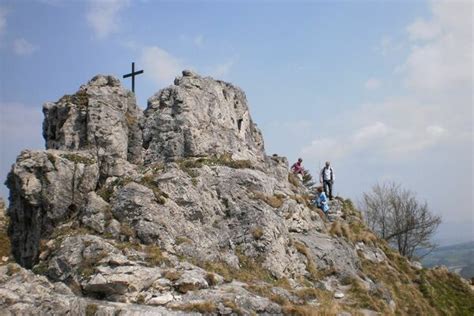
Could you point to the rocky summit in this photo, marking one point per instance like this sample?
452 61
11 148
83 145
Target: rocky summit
178 210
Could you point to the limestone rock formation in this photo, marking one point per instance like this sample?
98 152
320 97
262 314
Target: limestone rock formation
200 117
102 117
191 217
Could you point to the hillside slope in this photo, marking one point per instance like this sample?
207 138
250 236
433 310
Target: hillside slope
179 210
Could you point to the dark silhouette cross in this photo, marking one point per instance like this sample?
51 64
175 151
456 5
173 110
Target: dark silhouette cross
133 74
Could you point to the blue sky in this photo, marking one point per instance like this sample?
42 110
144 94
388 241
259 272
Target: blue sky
382 89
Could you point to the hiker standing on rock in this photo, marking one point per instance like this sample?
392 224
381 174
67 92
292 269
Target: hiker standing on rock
298 169
327 179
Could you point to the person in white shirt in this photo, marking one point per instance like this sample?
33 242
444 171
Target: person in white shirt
327 179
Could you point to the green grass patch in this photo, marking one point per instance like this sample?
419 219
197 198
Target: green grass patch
446 292
188 165
78 159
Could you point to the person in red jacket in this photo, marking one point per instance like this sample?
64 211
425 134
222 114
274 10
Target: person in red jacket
298 169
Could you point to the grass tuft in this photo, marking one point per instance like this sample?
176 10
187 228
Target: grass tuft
310 265
78 159
275 201
257 232
189 165
200 307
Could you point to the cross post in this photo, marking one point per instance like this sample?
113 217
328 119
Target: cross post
133 74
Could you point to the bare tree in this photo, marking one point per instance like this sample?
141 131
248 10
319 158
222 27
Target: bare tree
395 215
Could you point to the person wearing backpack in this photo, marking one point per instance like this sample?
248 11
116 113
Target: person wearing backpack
327 179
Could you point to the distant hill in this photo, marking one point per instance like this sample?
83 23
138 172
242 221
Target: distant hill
458 258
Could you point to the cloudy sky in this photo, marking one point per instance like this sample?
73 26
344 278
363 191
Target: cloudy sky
383 89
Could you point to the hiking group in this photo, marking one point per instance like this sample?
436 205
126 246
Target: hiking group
326 179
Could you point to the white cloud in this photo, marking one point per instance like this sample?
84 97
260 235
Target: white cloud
160 65
438 69
103 16
387 46
221 70
441 59
3 19
423 30
23 48
372 84
370 132
379 141
436 131
327 147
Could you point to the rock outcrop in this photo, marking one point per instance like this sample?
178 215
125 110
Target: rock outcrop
190 217
102 118
200 117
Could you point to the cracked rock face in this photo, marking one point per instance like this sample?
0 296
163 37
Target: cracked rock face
102 116
200 117
46 187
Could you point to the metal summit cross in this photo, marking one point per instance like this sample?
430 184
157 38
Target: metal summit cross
133 74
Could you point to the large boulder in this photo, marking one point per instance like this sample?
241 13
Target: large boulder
102 116
200 117
46 188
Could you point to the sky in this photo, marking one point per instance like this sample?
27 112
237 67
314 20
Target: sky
382 89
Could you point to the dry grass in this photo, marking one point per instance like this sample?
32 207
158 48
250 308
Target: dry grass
106 192
257 232
200 307
212 279
5 247
81 99
299 199
186 287
187 165
294 180
367 237
310 265
347 232
233 306
400 284
183 240
87 266
335 229
300 310
127 231
341 229
308 293
91 309
283 283
78 159
368 299
446 292
149 182
250 270
275 201
154 256
321 214
12 269
173 275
